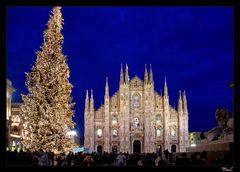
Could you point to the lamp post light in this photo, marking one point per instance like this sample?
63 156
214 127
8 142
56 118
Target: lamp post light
193 145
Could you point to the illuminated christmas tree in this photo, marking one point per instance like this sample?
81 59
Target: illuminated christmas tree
47 109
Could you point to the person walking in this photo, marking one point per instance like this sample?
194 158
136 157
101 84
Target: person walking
42 158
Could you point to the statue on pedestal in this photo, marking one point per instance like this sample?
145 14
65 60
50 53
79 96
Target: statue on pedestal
225 125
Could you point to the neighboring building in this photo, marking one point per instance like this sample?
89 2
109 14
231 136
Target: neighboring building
196 137
16 128
136 118
10 91
14 121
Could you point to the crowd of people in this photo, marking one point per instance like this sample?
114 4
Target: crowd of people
42 158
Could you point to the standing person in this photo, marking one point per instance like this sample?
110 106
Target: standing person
88 161
42 158
204 157
21 158
61 159
69 158
35 158
170 157
28 157
210 160
121 159
159 161
51 157
15 158
166 153
139 163
48 154
197 160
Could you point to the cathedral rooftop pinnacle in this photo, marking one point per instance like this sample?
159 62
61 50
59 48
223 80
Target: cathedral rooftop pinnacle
106 88
91 93
151 75
145 75
126 75
121 75
165 88
180 102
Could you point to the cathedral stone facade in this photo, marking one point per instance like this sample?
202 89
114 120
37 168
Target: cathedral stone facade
136 118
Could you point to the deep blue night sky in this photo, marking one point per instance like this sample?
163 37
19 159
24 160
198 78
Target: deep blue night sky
191 46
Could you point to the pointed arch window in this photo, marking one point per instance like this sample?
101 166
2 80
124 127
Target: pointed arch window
173 131
158 120
99 132
114 121
136 123
114 133
158 132
136 100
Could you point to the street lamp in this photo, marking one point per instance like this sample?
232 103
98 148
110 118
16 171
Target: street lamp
193 145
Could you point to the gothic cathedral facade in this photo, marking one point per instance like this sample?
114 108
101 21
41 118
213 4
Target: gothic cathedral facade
136 118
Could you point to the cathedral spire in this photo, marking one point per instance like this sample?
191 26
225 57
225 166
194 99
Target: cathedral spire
180 102
184 102
86 102
126 75
121 76
106 88
165 88
91 101
145 75
151 75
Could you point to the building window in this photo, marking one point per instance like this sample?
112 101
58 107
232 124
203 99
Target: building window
8 108
136 122
158 132
13 147
173 132
15 130
114 132
15 119
158 120
114 121
99 132
136 100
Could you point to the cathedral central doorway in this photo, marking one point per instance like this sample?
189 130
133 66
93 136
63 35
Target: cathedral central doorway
99 149
136 146
173 148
